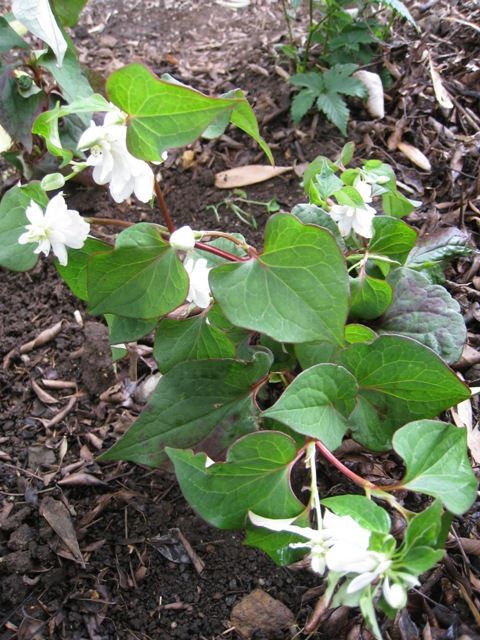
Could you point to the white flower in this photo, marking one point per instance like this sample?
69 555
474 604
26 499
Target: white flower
395 594
182 239
56 229
337 537
377 564
37 16
358 218
199 290
113 163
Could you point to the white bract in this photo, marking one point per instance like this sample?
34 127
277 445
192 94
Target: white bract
336 537
37 16
113 163
182 239
358 218
199 290
57 228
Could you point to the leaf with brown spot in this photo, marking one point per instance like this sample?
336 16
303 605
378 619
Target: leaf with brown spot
58 517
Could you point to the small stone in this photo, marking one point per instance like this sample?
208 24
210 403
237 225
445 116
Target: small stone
108 41
259 612
16 562
21 538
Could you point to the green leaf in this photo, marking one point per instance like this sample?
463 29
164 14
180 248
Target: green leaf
392 238
16 112
295 291
244 118
370 297
317 403
438 248
421 559
69 76
346 154
14 256
141 278
127 329
402 10
359 333
312 353
424 529
75 272
396 204
277 543
368 514
301 103
311 80
68 11
187 404
400 380
192 339
334 107
323 182
339 79
9 38
255 477
164 115
368 612
426 312
435 455
311 214
46 125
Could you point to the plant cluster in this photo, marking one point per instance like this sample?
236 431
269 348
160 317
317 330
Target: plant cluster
339 316
340 36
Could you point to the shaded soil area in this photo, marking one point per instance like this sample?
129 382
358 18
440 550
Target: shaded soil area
113 551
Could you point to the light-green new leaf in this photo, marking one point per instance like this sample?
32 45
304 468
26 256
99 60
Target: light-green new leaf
188 403
295 291
255 477
435 455
317 403
165 115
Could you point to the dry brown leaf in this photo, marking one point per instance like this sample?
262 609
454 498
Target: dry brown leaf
45 336
415 155
375 101
42 395
463 417
441 93
259 611
81 478
249 174
58 517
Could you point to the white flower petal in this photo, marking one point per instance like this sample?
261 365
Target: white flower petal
395 594
362 221
34 213
182 239
361 581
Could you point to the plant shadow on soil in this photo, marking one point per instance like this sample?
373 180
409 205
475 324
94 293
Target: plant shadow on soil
129 588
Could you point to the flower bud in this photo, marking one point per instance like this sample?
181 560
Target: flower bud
182 239
52 181
395 594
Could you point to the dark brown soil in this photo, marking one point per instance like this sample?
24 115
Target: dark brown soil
132 584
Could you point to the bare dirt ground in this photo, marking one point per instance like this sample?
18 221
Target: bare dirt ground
94 551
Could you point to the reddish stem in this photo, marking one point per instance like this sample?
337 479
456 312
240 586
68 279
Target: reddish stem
219 252
366 484
163 207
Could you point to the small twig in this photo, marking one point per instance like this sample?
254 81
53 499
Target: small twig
114 222
197 562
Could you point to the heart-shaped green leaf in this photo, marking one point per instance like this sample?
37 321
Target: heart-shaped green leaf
400 380
368 514
317 403
74 273
370 297
141 278
435 455
426 312
187 404
192 339
295 291
255 477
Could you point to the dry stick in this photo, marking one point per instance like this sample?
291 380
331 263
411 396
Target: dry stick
163 207
115 222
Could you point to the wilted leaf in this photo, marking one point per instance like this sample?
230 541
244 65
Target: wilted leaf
249 174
